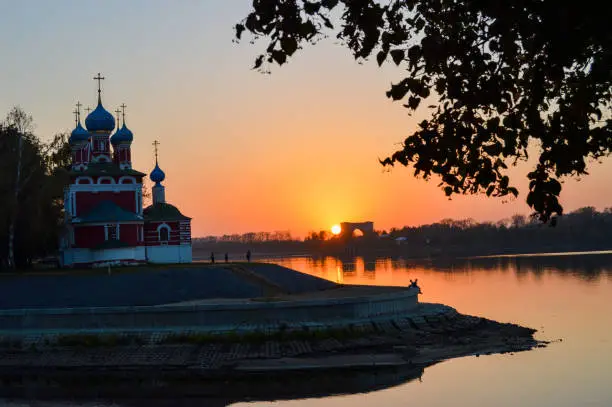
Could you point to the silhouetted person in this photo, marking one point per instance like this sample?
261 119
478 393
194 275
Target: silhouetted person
226 258
212 258
248 256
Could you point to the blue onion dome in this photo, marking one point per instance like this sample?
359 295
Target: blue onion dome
114 136
127 133
78 134
122 135
100 119
157 175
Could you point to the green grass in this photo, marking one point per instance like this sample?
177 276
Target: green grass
282 334
255 337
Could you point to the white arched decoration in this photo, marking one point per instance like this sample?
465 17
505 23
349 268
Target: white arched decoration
111 179
127 180
163 231
103 159
82 179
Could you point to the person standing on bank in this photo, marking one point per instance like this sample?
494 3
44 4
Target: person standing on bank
212 257
248 255
226 257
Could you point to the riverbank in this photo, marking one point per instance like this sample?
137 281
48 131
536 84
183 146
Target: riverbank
379 248
121 367
190 329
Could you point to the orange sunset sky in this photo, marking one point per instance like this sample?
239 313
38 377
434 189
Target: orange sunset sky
295 150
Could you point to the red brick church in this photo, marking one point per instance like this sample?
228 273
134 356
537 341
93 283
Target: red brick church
105 223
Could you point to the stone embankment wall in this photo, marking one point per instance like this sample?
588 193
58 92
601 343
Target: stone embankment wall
222 316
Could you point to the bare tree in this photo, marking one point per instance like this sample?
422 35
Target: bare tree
22 124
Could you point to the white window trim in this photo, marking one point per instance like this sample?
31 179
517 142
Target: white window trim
84 178
105 187
159 228
127 178
106 227
139 202
106 177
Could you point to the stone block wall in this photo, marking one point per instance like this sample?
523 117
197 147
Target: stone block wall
236 315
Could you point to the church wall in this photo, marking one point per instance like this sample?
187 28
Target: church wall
185 231
85 201
88 236
95 178
169 254
80 257
152 236
128 233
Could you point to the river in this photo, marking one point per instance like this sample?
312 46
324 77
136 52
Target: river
567 298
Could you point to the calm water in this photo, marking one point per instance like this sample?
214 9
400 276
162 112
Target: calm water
567 298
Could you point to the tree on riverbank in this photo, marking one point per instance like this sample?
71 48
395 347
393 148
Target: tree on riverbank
500 78
581 230
31 190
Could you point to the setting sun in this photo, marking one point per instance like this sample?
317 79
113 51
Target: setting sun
336 229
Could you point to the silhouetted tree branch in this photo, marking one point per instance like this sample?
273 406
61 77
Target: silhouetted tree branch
498 76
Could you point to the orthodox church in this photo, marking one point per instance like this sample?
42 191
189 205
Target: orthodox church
105 223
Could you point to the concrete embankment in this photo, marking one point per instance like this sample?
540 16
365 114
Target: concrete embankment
282 299
291 324
151 285
395 342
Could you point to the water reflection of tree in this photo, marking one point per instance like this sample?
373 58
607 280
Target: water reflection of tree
194 392
586 267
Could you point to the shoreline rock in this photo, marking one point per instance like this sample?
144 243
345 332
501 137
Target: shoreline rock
196 343
152 367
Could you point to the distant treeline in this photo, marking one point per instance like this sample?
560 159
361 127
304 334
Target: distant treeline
251 237
583 229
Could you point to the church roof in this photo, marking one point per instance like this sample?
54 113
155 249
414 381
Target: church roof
100 119
108 211
123 135
107 169
163 212
78 134
157 175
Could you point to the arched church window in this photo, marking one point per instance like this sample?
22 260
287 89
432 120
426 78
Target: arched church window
164 234
127 180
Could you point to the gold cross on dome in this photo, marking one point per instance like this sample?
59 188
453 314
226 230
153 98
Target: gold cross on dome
118 111
99 78
155 144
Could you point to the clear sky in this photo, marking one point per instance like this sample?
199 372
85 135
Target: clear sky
242 151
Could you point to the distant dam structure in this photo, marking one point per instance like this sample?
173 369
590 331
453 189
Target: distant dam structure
349 229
